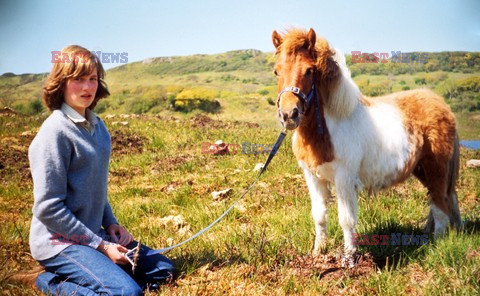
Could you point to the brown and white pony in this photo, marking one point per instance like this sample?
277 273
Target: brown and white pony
358 142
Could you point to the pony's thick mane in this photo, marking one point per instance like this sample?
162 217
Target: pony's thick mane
343 93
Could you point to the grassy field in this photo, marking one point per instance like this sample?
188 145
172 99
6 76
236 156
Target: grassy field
158 171
263 247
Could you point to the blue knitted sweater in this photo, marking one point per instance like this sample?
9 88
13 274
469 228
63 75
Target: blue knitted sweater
69 167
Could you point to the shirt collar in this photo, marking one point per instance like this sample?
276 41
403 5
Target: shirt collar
76 117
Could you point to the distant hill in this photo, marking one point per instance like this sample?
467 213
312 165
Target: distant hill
153 84
241 60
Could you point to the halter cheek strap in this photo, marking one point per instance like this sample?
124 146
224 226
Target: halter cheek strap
306 100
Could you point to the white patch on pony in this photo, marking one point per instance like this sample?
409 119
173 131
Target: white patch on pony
388 146
345 95
441 220
371 144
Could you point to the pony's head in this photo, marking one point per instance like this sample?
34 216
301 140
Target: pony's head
303 61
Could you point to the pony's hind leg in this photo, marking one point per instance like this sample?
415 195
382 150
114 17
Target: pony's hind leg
440 219
319 195
440 178
454 218
436 179
453 171
419 173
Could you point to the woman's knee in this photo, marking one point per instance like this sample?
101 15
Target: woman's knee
129 289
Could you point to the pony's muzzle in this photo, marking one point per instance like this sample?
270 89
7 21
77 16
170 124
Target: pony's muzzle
289 118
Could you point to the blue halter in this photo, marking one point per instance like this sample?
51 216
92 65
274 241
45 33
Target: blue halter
307 100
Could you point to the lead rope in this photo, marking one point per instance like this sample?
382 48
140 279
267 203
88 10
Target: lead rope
134 252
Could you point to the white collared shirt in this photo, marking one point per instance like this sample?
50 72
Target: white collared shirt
87 123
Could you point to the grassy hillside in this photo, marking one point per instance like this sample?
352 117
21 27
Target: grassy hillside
152 86
263 247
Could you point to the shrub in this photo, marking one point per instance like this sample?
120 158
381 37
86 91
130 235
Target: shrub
462 94
420 80
35 107
32 108
197 98
362 83
198 93
228 94
154 93
249 80
465 103
448 88
20 108
469 84
210 106
435 78
378 89
263 92
139 106
229 77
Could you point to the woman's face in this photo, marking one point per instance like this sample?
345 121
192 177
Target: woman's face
80 92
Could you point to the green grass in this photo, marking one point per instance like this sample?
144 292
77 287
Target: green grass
468 125
264 245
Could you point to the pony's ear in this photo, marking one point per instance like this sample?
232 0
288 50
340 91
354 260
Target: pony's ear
277 39
311 40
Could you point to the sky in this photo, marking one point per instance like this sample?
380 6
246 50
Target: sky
31 30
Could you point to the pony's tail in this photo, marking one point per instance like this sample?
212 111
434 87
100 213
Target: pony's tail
453 169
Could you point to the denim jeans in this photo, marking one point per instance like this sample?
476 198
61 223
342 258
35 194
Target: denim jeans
82 270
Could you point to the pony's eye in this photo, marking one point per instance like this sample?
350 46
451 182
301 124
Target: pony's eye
309 72
275 72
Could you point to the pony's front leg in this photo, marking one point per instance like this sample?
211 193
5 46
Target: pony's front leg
319 195
347 187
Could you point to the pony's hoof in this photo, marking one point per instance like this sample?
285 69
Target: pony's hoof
350 260
320 250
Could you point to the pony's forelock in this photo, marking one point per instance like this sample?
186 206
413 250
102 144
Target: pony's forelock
293 40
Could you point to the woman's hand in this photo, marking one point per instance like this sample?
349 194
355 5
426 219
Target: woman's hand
115 252
119 234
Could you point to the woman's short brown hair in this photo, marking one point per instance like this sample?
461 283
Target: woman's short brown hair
73 61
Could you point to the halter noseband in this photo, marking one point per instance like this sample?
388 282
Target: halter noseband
306 100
